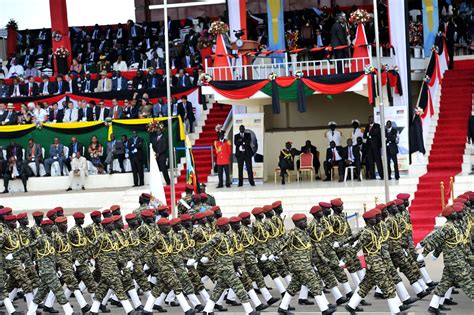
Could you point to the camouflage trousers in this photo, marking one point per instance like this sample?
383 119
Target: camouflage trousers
457 274
227 278
84 274
350 258
3 289
391 267
195 278
333 264
377 275
326 274
31 273
268 268
17 276
140 277
110 278
304 276
253 271
49 282
182 275
406 265
167 279
64 263
127 280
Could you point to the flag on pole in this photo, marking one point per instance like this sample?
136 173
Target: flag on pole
157 189
191 174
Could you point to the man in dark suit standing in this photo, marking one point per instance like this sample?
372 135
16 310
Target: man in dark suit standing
339 38
334 157
392 149
73 148
352 157
160 146
244 153
135 146
372 136
55 114
188 106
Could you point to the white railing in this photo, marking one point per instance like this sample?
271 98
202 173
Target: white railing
263 67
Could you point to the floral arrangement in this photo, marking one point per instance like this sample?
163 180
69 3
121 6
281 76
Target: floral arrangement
359 16
418 111
415 34
154 126
108 121
61 52
204 42
218 27
368 69
272 76
292 39
299 74
39 125
205 78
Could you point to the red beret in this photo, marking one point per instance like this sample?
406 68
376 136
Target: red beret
106 211
7 210
199 215
276 204
389 204
114 208
203 196
37 214
189 187
47 222
325 205
377 211
403 196
369 214
117 218
234 219
185 217
267 208
456 207
244 215
50 213
78 215
60 219
471 196
337 202
447 211
175 221
196 196
2 211
107 221
381 206
9 217
208 213
146 195
465 195
315 209
222 221
215 208
398 202
95 213
58 209
163 221
257 211
298 217
130 216
460 199
162 208
147 213
21 215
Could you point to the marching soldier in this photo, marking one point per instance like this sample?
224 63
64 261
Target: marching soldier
35 230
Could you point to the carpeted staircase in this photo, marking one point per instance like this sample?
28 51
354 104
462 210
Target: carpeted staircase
446 154
202 158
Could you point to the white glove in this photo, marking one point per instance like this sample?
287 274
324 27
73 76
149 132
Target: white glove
355 244
145 267
9 257
263 258
341 263
418 246
433 257
420 258
271 257
336 245
405 252
93 262
76 263
204 260
190 262
129 265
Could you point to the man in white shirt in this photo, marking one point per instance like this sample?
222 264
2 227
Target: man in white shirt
70 115
78 168
334 157
332 134
15 69
120 65
356 132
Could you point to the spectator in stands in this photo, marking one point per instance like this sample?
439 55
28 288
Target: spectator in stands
154 80
339 38
356 132
46 88
3 70
56 154
60 85
286 160
85 112
139 81
135 147
10 116
31 87
352 157
120 64
115 110
3 88
70 114
190 118
146 109
56 115
115 151
3 112
15 69
78 168
103 65
34 155
25 117
88 85
101 112
39 113
31 71
16 90
144 63
334 157
158 108
119 83
332 134
95 153
71 84
182 80
309 148
14 171
104 84
76 67
132 111
74 147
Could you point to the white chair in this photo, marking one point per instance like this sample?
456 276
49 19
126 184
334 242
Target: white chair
126 165
91 169
352 170
32 165
55 169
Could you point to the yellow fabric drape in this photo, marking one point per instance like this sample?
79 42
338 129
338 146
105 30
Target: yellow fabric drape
74 125
16 128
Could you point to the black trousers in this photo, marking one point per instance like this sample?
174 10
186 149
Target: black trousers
392 157
164 169
7 177
137 170
374 157
120 158
329 165
248 163
221 169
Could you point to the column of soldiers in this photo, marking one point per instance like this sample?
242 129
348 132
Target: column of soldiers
169 261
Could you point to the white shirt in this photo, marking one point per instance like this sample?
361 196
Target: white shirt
40 114
356 133
15 70
16 90
101 115
350 154
79 164
334 136
70 115
336 154
122 66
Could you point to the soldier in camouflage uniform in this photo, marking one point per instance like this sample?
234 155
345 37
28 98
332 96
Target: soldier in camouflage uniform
143 201
106 213
298 242
449 240
210 200
95 228
185 203
35 230
220 248
24 234
81 252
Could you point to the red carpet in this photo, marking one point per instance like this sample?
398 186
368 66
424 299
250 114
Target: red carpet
202 158
446 154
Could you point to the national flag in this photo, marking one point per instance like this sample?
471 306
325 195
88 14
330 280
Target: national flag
191 174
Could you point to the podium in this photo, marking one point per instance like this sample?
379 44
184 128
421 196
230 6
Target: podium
248 45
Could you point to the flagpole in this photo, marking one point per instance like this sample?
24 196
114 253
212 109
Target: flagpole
381 104
168 101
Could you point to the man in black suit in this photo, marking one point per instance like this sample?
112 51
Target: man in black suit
55 114
309 148
244 153
339 38
392 149
61 86
101 112
85 113
46 87
16 89
119 83
14 150
188 106
182 80
88 85
135 146
160 146
363 155
372 136
10 117
31 88
73 148
449 28
334 157
352 157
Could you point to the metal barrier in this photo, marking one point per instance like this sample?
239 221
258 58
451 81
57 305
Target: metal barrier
209 147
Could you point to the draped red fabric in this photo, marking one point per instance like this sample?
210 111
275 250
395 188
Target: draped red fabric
59 24
392 80
11 41
49 100
221 64
360 49
370 86
243 92
430 106
332 88
285 81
